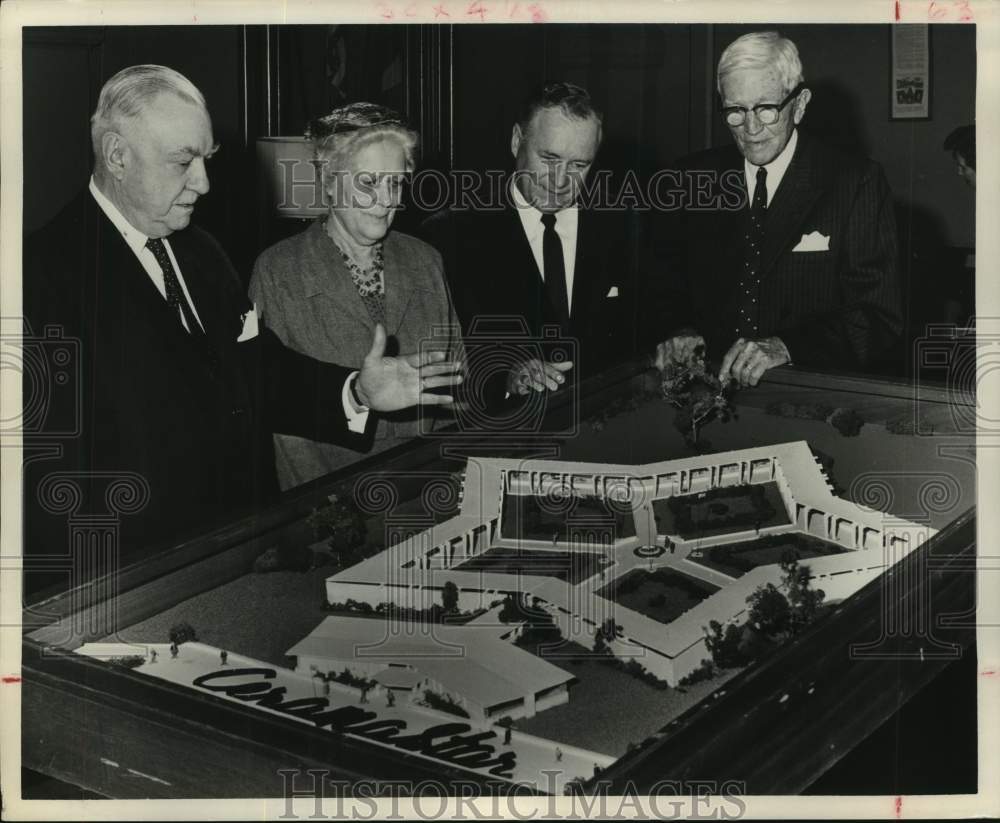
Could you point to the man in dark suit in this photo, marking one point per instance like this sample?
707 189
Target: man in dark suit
179 389
789 254
540 258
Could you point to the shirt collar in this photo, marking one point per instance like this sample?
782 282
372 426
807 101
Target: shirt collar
531 218
776 168
136 239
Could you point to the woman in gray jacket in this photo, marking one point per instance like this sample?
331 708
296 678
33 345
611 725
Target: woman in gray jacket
324 290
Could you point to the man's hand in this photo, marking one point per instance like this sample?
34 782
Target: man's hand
747 360
391 383
538 375
681 349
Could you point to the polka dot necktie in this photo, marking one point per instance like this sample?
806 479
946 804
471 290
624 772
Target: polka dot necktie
750 281
555 270
178 302
175 296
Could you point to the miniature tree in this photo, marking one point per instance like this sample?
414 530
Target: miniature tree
774 616
804 601
539 629
770 612
509 611
181 633
604 634
610 629
694 389
449 596
724 645
343 524
847 421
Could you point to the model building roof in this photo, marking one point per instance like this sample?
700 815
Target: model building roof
470 660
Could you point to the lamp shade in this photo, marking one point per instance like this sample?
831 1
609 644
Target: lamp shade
290 177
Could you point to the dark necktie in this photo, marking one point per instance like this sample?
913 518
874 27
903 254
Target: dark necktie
750 281
178 302
175 296
555 270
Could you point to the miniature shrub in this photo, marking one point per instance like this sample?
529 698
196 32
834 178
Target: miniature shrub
443 703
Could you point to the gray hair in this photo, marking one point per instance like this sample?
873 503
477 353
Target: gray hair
762 49
129 92
344 131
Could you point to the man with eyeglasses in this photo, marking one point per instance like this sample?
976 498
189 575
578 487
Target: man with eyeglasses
802 269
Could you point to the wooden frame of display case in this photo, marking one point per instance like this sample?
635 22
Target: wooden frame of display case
200 746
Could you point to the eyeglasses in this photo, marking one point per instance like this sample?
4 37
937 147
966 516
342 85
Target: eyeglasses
767 113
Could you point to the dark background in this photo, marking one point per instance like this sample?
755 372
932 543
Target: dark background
460 86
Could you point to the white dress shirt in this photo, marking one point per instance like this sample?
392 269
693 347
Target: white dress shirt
567 221
775 169
136 241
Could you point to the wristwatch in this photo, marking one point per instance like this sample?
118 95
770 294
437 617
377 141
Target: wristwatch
354 392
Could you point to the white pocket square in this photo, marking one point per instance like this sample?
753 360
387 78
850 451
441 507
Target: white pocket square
814 241
612 292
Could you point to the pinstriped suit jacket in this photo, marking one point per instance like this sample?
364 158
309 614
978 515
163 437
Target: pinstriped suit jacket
838 308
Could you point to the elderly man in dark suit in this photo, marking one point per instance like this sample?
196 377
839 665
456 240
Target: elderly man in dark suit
180 388
542 258
790 254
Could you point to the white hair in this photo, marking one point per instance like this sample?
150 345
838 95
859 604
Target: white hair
130 91
762 49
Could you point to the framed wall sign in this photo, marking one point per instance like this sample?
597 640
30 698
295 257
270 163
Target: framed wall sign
910 79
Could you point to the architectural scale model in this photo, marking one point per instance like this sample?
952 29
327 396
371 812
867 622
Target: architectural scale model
589 546
607 517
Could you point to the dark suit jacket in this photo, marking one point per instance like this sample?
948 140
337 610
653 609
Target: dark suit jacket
150 402
840 308
492 274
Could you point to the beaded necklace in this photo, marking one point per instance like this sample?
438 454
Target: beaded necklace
369 282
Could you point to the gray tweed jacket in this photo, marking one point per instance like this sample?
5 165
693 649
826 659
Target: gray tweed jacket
305 295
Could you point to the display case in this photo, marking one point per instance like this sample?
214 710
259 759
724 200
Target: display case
904 452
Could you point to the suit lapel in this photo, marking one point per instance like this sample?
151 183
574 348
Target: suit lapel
521 284
398 293
521 255
800 188
586 269
329 275
196 282
145 301
138 295
727 229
